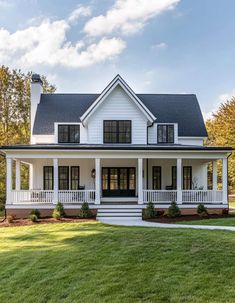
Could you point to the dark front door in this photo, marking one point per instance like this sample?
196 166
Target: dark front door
118 181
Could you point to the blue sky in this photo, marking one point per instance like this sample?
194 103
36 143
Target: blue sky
160 46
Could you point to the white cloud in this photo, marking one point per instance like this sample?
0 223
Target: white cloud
221 99
227 96
47 44
84 11
127 16
5 4
159 46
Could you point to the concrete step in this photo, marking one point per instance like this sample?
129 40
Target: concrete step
120 212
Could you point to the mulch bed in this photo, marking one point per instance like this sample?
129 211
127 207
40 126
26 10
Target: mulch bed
25 222
163 219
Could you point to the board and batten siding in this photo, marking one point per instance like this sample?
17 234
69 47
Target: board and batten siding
117 106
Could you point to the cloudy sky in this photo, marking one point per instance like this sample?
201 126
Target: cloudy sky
160 46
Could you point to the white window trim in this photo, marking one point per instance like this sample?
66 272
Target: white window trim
175 131
56 124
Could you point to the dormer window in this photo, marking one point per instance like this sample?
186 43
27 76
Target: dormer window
117 131
165 133
69 133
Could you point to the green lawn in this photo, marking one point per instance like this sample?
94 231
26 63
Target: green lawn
217 222
91 262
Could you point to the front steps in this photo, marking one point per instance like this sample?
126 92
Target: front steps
119 211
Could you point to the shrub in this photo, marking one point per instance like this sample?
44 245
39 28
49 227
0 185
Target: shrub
201 210
60 208
10 219
33 218
149 211
35 212
56 214
85 211
173 210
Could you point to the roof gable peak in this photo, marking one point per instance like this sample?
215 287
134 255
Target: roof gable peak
117 80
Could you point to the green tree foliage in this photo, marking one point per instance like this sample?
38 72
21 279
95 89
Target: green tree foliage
221 132
15 114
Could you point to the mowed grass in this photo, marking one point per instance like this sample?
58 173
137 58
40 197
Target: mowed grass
215 222
91 262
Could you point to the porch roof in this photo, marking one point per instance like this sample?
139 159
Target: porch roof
151 147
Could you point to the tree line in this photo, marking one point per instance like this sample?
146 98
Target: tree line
15 116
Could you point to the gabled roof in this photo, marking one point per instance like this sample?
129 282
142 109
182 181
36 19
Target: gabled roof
117 81
167 108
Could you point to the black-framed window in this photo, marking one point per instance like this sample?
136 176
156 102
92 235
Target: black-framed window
187 177
157 177
48 178
174 177
117 131
69 133
63 178
74 175
165 133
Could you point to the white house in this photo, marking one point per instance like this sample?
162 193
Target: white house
116 150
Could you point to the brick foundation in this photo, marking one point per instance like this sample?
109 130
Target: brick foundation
193 211
21 213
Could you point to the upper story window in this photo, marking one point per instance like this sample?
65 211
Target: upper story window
165 133
68 133
117 131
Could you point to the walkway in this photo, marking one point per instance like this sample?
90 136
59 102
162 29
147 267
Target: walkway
140 222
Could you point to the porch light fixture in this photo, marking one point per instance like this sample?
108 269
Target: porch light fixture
93 173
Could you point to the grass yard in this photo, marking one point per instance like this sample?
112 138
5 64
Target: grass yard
90 262
217 222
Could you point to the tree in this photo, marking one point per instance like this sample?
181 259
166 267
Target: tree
15 113
221 132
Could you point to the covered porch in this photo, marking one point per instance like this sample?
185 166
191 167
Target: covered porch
160 179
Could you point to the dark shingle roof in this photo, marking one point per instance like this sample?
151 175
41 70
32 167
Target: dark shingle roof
168 108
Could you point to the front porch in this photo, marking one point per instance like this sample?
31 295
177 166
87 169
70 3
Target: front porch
158 180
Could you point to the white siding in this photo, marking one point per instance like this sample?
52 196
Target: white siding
152 132
191 141
41 139
117 106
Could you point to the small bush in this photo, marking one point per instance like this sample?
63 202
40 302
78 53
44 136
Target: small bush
201 210
10 219
33 218
85 211
35 212
56 214
149 211
173 210
60 208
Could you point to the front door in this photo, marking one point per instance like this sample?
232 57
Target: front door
118 181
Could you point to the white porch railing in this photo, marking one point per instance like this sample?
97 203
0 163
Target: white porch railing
159 195
75 196
32 196
202 196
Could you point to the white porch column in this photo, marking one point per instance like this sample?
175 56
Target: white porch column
140 181
97 181
179 181
9 181
18 182
30 176
214 178
55 181
225 180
